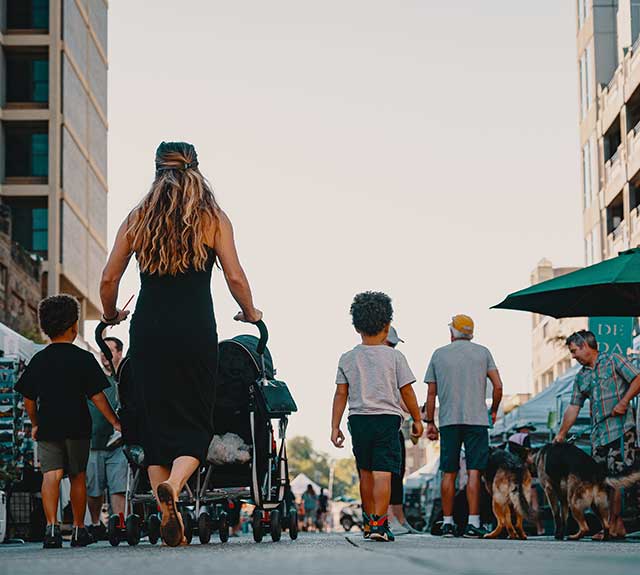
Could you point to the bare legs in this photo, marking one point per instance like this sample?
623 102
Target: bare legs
375 491
51 494
95 506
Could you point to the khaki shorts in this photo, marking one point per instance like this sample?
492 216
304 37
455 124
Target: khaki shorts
70 455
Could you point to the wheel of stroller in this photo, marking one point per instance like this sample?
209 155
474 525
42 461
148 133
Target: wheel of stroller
276 526
204 528
153 528
188 522
223 527
256 524
113 530
293 524
132 525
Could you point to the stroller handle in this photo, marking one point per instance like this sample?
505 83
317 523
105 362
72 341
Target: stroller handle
264 336
104 348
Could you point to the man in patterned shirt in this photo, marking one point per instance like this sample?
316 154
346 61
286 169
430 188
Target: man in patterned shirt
609 382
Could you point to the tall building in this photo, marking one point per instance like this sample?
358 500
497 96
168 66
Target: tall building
550 357
608 59
53 138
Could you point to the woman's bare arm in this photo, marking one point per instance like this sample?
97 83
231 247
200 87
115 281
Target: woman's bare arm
233 273
112 274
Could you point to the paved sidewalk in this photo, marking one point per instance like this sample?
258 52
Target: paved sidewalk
334 553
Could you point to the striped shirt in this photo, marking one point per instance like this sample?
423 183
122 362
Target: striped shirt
604 385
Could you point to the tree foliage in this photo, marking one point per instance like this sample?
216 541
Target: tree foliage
316 465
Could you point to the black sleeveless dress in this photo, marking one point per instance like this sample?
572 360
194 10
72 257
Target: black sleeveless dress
174 355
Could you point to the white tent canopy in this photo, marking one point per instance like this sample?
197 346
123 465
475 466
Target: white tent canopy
300 483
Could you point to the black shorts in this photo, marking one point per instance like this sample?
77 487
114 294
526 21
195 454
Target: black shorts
397 488
375 442
476 447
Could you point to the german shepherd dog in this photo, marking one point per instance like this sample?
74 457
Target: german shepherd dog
508 480
572 480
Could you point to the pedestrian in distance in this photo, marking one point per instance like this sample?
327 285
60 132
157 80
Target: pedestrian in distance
457 375
398 521
373 378
610 382
107 467
310 504
177 233
56 385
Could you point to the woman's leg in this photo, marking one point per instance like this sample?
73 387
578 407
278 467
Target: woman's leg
157 474
183 467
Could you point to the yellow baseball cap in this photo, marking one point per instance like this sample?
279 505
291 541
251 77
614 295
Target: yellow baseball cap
462 323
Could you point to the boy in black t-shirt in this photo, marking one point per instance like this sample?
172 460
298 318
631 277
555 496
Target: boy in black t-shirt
55 386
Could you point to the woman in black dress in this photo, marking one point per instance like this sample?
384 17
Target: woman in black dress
177 233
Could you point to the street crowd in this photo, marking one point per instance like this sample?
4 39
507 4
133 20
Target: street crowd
375 380
177 233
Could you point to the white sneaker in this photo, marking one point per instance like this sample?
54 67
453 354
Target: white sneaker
410 529
397 527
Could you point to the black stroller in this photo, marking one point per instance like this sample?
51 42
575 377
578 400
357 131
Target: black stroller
248 400
253 405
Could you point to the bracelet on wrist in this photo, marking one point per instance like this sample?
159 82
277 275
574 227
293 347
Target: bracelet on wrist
110 319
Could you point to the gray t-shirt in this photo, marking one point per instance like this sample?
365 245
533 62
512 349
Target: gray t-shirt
460 372
375 374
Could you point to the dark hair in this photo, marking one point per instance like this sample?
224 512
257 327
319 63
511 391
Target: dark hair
57 313
582 337
371 311
116 340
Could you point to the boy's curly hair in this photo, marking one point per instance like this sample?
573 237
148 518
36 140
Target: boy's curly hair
371 311
57 313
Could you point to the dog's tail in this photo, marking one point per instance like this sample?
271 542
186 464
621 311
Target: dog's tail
520 500
623 481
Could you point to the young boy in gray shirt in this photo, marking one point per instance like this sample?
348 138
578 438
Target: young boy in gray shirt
373 378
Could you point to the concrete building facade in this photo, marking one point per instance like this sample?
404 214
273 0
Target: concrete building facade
550 357
608 60
53 138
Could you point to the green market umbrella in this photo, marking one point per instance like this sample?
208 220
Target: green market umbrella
608 288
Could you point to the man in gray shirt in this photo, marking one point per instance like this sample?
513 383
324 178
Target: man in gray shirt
457 375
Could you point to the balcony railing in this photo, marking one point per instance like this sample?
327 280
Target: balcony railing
29 262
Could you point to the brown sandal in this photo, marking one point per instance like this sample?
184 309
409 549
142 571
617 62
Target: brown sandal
171 528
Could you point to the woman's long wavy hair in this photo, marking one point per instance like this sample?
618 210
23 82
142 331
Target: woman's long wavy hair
167 229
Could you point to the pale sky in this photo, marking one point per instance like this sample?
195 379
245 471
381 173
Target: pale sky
427 149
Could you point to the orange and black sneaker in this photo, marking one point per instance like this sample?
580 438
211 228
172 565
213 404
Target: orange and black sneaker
366 526
380 530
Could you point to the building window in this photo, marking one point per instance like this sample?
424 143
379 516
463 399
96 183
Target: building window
587 186
588 249
586 93
3 284
30 223
27 77
28 15
583 12
40 230
27 150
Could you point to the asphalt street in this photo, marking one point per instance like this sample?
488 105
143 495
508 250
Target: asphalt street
334 553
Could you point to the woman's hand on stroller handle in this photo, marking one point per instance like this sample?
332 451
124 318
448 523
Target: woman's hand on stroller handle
119 317
254 317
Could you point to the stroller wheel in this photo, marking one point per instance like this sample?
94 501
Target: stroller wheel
153 528
132 525
204 528
276 526
256 524
113 530
187 520
293 524
223 527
